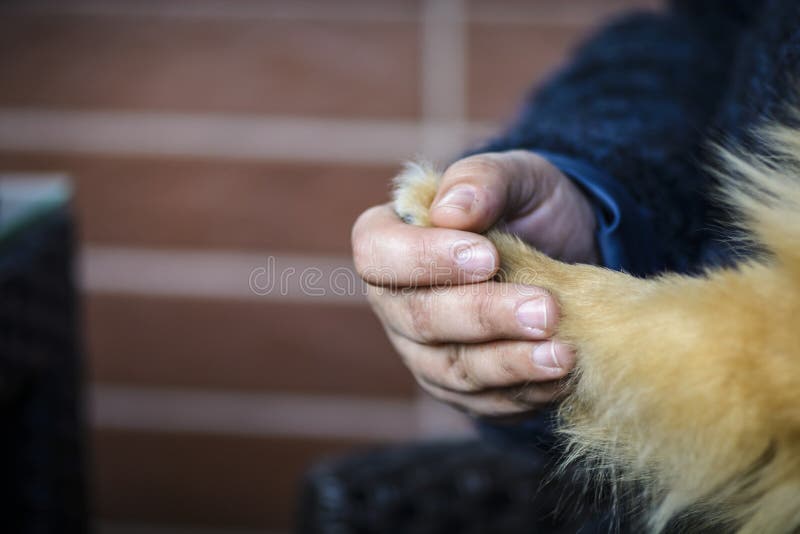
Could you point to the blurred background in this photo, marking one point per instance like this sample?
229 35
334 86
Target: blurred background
209 143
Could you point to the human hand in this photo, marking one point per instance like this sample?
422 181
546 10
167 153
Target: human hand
524 193
480 345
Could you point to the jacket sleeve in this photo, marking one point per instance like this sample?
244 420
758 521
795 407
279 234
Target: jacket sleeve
626 120
627 117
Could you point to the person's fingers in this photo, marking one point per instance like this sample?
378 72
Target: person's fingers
389 252
467 313
500 403
475 368
477 191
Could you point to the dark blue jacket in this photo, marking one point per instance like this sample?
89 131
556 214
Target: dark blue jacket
630 118
631 115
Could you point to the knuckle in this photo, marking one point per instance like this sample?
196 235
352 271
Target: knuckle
461 370
505 368
420 313
424 252
482 312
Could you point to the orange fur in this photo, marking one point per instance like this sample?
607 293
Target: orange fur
689 386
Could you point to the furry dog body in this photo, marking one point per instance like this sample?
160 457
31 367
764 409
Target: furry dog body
687 387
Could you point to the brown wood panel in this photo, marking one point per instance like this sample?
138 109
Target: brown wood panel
189 203
506 60
239 65
590 12
254 346
514 45
202 480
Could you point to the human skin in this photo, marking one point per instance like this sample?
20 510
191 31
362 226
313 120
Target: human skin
482 346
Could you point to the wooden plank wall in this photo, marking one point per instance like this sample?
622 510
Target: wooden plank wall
206 136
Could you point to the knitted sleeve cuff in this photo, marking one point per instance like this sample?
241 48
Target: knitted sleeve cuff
625 233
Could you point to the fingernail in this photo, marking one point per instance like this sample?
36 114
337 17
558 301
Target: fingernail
551 354
475 258
460 197
532 315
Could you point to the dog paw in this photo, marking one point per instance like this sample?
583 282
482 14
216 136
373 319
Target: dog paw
414 190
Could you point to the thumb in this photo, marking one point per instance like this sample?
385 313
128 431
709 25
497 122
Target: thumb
474 192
